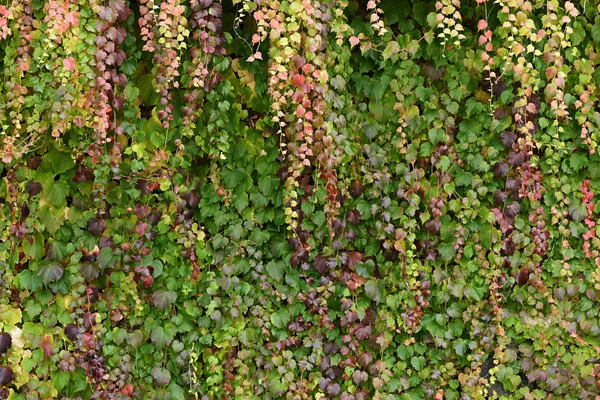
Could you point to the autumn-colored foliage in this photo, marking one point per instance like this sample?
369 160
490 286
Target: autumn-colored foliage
299 199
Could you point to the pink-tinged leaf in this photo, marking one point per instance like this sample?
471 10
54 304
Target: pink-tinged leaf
47 347
141 228
72 18
70 63
354 40
482 24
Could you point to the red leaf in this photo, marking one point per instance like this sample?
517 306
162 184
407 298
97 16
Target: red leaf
298 80
70 63
127 390
354 257
47 346
140 228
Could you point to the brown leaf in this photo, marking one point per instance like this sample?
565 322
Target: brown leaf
354 257
47 346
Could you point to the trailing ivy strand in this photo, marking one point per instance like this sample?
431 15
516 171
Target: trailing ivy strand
299 199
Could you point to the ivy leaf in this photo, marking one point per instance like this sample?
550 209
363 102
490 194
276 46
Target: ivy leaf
596 32
6 375
475 292
372 291
390 50
56 192
50 272
29 281
578 161
461 347
275 270
89 271
417 362
160 337
34 250
107 258
578 211
60 379
5 342
163 299
175 392
96 226
280 319
161 376
59 162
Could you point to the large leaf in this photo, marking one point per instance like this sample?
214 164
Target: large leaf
163 299
107 258
50 272
56 192
160 337
161 376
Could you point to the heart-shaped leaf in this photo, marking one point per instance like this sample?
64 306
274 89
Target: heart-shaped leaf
161 376
163 299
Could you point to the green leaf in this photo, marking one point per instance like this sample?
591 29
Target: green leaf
472 291
578 161
460 347
390 50
107 258
446 251
240 201
60 379
56 192
486 236
275 270
280 319
34 250
50 272
175 392
161 376
596 32
163 299
60 162
417 362
29 281
160 337
372 290
89 271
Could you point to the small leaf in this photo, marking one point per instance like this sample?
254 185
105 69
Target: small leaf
33 188
71 332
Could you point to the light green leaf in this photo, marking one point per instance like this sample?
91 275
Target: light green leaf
275 270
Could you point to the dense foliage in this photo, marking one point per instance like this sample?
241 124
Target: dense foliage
299 199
